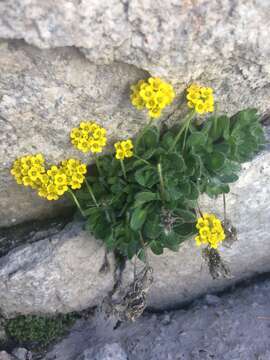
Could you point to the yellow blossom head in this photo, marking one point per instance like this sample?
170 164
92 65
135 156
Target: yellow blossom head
210 230
200 98
28 170
52 182
124 149
152 94
89 137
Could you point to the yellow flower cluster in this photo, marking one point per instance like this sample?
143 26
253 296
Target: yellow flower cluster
51 183
28 169
210 231
124 149
89 136
200 98
152 94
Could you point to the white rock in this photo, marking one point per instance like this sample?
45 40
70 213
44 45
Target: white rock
59 274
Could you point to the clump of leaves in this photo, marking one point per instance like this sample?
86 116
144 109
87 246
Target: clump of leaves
152 202
38 331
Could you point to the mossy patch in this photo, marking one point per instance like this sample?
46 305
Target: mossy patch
37 332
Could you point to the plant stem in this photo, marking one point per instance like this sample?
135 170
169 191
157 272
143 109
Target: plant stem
98 165
224 208
199 210
89 188
123 169
141 133
161 181
74 198
145 250
139 158
215 117
186 131
186 123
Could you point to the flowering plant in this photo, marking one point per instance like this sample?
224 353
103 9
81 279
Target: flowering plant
146 194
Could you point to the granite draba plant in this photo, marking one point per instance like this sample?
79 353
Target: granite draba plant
145 195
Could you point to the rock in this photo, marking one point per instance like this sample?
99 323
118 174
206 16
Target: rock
183 275
107 352
238 332
43 95
212 300
5 356
166 320
3 335
22 354
46 92
57 274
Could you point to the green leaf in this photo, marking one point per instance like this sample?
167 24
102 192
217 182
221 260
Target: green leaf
172 161
186 230
167 140
242 119
197 139
144 197
152 226
215 161
156 247
146 176
138 218
186 215
220 127
147 140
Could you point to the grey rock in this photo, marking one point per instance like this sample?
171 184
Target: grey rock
107 352
232 330
5 356
212 299
22 354
58 274
45 92
43 95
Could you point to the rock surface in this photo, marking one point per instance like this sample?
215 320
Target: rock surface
43 93
5 356
237 328
108 352
58 274
61 273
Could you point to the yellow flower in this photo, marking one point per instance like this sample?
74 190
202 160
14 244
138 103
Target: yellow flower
27 170
74 171
51 183
211 231
153 94
200 98
89 137
124 149
155 112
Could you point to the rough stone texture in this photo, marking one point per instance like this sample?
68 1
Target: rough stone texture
181 276
223 43
59 274
43 94
108 352
5 356
237 328
22 354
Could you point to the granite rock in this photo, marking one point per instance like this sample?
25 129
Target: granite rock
57 274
